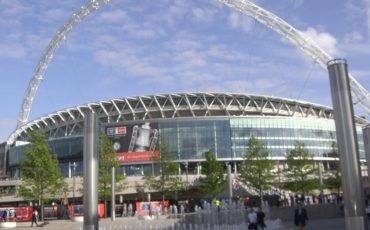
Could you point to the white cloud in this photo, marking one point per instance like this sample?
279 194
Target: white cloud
113 16
13 7
354 36
222 52
178 9
203 15
239 21
14 50
55 15
325 40
190 59
298 3
130 62
145 31
368 15
266 87
182 43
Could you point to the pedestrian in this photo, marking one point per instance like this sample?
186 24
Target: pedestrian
252 220
300 217
5 215
217 204
260 219
35 215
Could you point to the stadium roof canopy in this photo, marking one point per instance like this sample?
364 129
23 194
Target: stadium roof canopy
69 122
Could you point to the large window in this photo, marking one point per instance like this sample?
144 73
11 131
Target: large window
280 134
190 139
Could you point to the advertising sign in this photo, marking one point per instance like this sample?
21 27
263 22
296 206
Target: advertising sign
150 208
134 143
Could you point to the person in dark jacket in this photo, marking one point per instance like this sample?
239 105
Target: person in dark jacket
300 216
260 219
35 216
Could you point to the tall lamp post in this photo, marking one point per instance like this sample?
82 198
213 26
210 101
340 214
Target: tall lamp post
73 167
187 180
321 183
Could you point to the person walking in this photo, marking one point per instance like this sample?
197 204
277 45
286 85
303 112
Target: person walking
35 215
5 215
252 220
260 219
217 204
300 217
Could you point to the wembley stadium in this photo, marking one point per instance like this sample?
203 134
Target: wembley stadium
189 123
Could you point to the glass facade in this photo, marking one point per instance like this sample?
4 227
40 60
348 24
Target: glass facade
280 134
189 139
67 150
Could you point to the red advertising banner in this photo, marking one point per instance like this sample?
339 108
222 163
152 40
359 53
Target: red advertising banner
137 156
150 208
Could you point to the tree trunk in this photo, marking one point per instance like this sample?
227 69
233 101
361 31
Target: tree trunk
163 208
261 196
105 208
41 205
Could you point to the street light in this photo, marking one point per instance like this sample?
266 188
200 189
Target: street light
73 167
187 180
321 180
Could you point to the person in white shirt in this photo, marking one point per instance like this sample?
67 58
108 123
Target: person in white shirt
252 220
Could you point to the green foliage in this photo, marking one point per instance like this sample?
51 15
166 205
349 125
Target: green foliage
214 181
335 179
107 160
257 167
301 172
41 176
167 181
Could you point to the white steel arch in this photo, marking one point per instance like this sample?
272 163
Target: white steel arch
48 55
361 96
359 93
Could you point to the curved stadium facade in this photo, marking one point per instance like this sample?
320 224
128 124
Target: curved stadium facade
190 124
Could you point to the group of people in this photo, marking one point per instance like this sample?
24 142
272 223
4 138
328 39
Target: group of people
256 219
309 199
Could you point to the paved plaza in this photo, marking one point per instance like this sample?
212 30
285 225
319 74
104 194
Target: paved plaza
326 216
165 223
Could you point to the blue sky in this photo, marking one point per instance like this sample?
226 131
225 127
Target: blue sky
132 48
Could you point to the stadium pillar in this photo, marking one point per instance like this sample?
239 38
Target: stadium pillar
366 137
354 208
91 167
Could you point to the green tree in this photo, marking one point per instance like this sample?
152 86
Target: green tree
40 173
166 180
301 172
257 167
213 182
334 181
107 160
